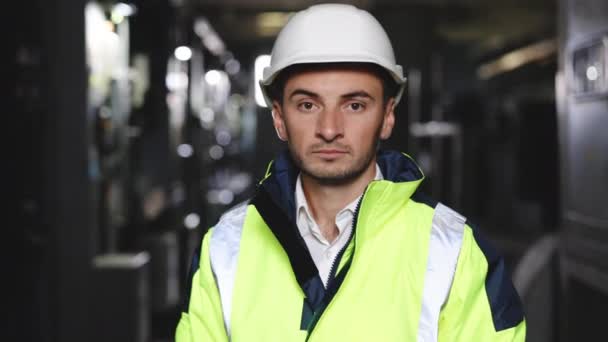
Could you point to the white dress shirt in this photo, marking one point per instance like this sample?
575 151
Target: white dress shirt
324 252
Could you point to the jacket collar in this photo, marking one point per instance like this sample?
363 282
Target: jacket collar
280 179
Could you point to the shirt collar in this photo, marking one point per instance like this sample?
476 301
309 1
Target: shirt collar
304 220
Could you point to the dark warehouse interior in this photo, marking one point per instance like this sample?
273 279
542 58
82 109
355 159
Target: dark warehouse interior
133 125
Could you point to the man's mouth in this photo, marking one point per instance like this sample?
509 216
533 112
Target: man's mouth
329 153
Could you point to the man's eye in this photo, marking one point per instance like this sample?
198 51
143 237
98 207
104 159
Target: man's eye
307 105
356 106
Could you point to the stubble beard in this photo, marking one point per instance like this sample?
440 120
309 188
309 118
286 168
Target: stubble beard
340 176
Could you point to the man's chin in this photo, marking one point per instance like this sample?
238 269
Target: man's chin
333 177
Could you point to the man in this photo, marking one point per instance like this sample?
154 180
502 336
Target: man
337 244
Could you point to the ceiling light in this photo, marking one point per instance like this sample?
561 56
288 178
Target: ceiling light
183 53
269 23
213 77
592 73
517 58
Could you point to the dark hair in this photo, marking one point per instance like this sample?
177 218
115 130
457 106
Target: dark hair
277 87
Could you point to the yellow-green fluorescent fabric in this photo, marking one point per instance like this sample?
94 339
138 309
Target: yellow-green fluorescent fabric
412 271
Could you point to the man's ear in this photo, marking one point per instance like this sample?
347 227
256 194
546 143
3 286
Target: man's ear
278 122
388 122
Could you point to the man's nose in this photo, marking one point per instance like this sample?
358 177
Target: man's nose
330 125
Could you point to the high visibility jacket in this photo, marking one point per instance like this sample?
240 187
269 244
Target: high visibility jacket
412 271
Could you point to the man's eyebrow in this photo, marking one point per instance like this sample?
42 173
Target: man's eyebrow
354 94
304 92
358 93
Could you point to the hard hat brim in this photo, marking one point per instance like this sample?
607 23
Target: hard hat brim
270 73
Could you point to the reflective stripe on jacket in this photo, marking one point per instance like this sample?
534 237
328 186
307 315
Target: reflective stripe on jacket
412 271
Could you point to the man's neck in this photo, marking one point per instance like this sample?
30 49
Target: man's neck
326 200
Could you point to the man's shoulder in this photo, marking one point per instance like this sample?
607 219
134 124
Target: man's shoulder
424 199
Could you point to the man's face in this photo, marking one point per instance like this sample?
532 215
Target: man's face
332 120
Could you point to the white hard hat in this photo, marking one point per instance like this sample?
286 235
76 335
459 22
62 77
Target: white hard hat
332 33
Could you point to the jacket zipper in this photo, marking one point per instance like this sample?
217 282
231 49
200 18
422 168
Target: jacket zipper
334 266
336 263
